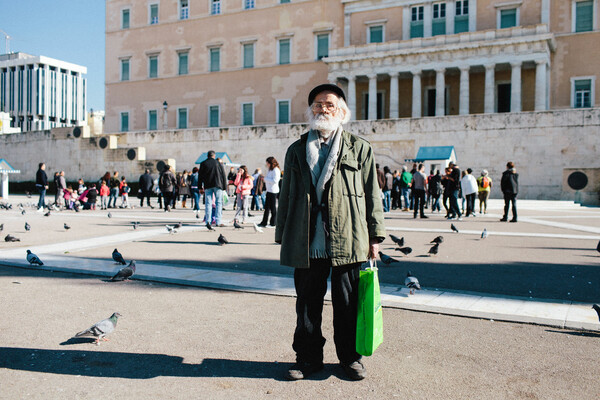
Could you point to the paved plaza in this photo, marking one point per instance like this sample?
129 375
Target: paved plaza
176 341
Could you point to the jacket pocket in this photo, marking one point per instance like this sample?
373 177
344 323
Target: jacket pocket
353 185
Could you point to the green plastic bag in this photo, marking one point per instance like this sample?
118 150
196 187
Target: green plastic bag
225 198
369 325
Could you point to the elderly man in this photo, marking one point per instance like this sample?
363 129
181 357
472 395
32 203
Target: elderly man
330 218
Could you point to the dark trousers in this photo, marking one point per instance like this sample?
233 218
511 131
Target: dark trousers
470 203
270 205
145 195
168 199
508 198
419 205
311 286
454 210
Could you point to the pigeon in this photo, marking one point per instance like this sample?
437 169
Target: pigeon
405 250
236 225
47 214
28 194
23 212
412 283
597 308
101 329
454 228
11 238
387 259
125 273
33 259
135 225
27 227
118 257
67 227
171 229
178 225
434 249
2 228
258 229
484 234
597 247
222 240
210 228
438 240
109 215
397 240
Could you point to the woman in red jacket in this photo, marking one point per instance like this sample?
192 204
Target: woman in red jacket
244 184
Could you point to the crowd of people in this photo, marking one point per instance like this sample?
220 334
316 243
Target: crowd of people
205 186
414 191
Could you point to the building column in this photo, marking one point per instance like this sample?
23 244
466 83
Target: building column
347 22
463 101
545 11
488 100
394 101
351 95
450 11
405 22
515 87
416 94
427 19
372 96
472 15
540 85
440 92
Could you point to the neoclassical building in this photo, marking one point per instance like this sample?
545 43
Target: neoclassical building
207 63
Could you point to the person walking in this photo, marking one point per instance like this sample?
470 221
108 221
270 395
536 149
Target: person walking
41 185
324 230
509 184
272 181
114 185
419 185
259 183
468 186
124 190
146 184
387 189
454 187
195 190
184 188
484 184
244 184
167 183
396 190
405 183
212 177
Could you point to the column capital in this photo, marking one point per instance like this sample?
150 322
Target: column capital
489 66
416 72
516 64
394 74
463 68
440 70
542 61
372 76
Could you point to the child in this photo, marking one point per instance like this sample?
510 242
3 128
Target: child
124 189
91 195
104 192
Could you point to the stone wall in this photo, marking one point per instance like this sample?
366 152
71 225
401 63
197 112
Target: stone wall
541 144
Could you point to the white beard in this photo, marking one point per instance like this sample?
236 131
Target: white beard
325 124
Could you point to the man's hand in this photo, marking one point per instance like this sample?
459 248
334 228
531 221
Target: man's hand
373 248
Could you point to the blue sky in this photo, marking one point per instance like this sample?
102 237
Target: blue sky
68 30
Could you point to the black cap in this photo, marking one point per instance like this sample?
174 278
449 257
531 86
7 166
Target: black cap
326 87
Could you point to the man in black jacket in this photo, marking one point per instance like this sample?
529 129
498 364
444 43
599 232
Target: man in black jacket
212 177
146 188
454 187
41 184
510 187
167 183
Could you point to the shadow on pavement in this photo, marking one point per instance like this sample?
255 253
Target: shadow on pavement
576 333
143 366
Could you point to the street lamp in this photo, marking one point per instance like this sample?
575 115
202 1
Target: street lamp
165 106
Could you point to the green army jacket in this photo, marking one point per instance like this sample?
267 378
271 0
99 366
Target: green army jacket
354 200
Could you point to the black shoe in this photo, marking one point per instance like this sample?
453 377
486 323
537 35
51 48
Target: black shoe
355 370
424 216
302 370
504 220
262 225
513 220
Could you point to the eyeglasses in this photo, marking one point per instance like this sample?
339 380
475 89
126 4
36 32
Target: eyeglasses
326 106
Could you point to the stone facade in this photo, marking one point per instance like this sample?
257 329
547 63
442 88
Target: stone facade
543 146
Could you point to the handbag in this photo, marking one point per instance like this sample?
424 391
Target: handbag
369 324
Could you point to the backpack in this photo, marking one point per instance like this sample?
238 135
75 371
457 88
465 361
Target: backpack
485 182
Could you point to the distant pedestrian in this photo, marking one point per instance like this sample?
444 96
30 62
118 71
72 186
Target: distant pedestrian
114 185
396 190
405 183
434 189
81 186
195 190
89 200
61 186
244 184
41 185
446 182
183 187
124 190
104 193
419 185
257 191
167 185
387 189
468 186
272 180
146 185
510 188
212 177
454 187
484 184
